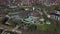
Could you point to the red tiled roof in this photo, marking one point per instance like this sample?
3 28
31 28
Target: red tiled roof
23 14
3 1
58 1
35 13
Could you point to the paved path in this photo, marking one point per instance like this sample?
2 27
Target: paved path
9 28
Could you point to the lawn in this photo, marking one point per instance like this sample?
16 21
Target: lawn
46 27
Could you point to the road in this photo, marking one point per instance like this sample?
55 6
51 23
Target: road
9 28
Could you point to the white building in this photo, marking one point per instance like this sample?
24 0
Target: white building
55 17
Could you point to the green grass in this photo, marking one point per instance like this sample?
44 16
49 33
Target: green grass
46 27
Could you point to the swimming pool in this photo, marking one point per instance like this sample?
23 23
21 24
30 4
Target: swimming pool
28 19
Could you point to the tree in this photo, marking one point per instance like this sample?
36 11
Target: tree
54 7
16 22
32 27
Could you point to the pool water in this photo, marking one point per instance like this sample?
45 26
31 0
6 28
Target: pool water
28 19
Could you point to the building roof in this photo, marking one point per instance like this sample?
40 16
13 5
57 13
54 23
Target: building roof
3 2
24 14
35 13
58 1
54 14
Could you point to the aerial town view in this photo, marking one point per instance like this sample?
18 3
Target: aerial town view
29 16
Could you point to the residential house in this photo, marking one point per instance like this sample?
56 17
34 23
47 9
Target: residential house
49 2
15 16
3 2
58 12
58 2
55 16
35 13
24 14
54 11
20 2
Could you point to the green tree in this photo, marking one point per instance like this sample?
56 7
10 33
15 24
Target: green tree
16 22
54 7
32 27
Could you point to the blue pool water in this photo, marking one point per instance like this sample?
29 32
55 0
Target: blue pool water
28 19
